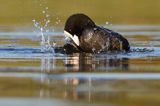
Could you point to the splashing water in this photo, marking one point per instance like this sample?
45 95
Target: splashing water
109 22
43 29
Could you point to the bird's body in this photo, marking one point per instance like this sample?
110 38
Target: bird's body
86 36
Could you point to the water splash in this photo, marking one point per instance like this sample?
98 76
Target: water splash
93 50
109 23
43 28
144 49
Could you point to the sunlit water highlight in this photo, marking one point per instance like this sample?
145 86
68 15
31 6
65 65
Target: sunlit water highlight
28 63
32 74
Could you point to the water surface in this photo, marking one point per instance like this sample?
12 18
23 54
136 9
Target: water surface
30 76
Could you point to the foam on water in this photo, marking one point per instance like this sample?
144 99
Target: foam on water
34 52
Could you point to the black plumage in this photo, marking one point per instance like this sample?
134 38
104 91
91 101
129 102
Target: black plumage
88 37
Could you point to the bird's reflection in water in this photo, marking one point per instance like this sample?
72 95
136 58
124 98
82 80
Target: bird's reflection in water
88 89
89 62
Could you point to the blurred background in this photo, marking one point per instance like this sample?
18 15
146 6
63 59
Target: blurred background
22 12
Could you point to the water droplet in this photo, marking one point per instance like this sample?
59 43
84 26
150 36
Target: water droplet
57 23
47 15
93 49
107 23
43 12
94 28
42 26
54 44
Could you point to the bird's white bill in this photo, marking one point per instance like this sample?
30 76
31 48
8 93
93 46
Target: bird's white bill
73 37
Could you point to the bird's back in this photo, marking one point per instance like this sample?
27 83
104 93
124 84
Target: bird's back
99 39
